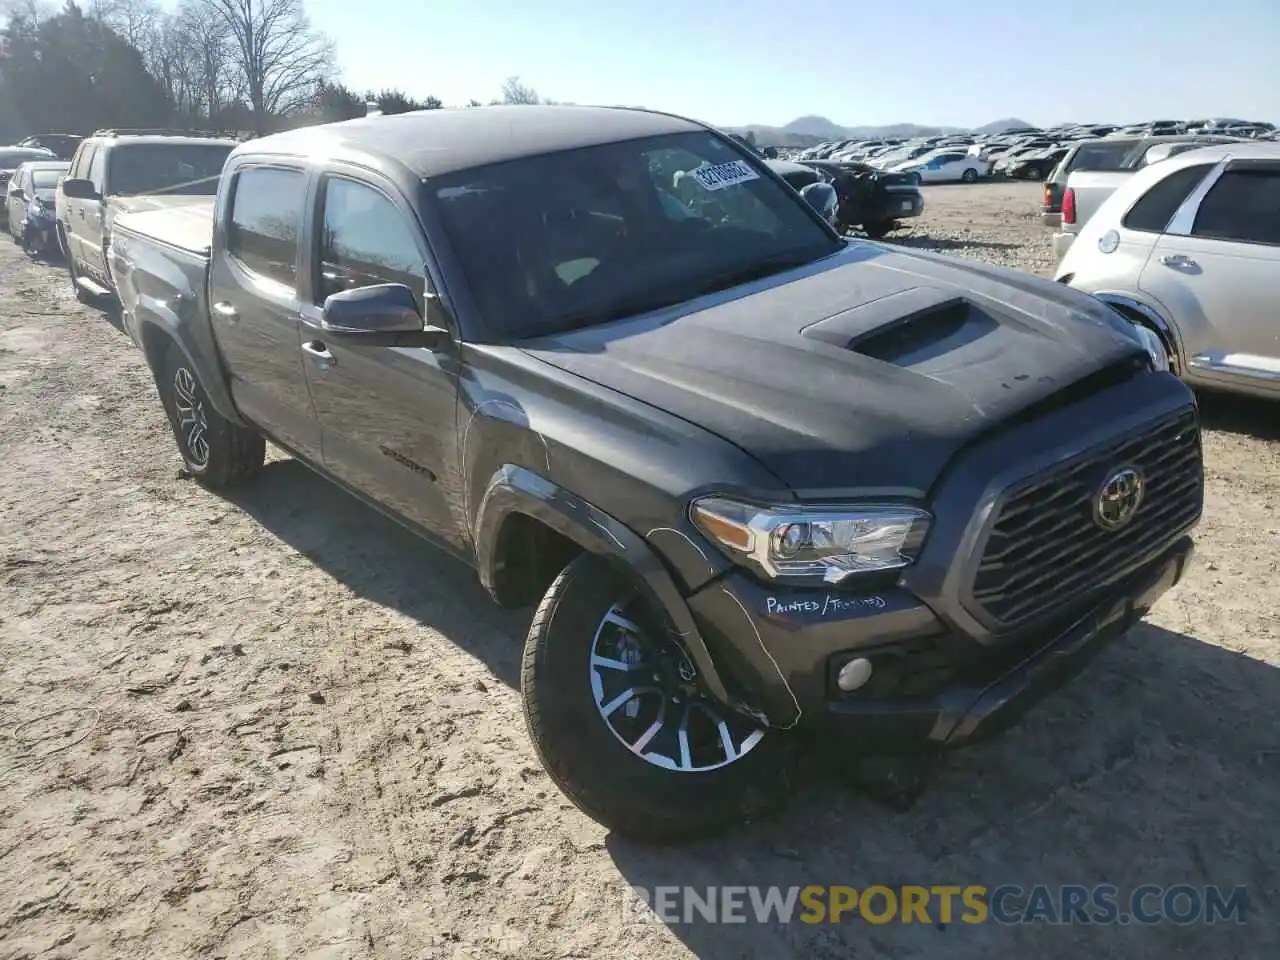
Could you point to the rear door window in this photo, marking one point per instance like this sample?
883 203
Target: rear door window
266 218
1156 207
1244 206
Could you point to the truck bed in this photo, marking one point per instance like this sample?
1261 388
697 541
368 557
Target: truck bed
187 227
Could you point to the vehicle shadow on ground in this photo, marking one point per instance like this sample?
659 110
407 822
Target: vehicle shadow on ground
1233 413
1159 765
949 243
383 562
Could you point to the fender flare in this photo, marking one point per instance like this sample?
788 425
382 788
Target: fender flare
208 367
1148 313
517 490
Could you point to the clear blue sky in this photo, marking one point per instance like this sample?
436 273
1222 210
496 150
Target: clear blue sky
961 62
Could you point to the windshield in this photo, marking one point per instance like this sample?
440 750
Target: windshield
12 159
179 168
1101 156
569 239
46 179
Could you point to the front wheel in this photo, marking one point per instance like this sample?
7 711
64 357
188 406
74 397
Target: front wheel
215 451
619 719
83 295
970 175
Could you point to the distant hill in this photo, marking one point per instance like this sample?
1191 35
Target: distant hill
808 130
1000 126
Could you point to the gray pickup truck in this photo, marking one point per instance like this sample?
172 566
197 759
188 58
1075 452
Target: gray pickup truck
757 478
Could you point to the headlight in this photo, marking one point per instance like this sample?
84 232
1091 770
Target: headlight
821 543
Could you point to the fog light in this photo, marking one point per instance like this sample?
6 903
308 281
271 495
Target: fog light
854 674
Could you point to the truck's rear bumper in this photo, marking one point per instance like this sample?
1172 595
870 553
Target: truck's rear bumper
1062 243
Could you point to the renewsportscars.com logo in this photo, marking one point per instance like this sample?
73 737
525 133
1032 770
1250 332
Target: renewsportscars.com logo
1098 904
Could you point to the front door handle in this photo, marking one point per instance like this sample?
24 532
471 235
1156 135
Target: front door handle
1177 260
225 311
319 354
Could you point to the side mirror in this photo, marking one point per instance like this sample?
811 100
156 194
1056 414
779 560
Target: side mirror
78 188
383 314
822 197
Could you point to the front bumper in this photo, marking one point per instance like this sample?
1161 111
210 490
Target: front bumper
943 672
930 688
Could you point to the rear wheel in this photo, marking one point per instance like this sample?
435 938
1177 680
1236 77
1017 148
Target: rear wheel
878 228
214 450
618 716
970 175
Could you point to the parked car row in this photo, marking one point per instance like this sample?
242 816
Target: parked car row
1023 153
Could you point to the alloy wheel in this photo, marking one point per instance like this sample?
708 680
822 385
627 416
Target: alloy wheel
647 694
188 403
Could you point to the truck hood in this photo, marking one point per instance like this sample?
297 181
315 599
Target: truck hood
867 370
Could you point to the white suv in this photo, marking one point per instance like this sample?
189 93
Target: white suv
1190 248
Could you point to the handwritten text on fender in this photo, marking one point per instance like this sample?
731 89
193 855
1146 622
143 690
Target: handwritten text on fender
827 606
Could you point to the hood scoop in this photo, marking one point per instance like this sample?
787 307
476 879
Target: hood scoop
908 328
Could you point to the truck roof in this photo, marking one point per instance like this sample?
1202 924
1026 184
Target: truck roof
160 138
434 142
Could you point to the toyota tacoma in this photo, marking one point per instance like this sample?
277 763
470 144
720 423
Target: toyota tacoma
755 477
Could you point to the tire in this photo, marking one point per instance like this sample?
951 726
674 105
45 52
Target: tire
970 175
215 451
1033 173
878 228
588 758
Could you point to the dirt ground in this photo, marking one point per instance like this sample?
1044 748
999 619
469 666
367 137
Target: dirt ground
275 725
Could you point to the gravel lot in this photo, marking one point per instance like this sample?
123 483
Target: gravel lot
274 725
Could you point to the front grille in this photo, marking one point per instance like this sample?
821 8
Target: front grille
1045 549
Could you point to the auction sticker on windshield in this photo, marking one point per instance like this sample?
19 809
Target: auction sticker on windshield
724 175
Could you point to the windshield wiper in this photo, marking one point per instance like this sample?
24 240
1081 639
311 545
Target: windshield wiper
647 301
615 310
755 271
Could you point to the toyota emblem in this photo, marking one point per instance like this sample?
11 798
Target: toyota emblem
1119 498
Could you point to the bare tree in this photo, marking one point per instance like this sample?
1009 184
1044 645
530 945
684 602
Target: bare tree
32 11
208 39
137 21
513 91
278 58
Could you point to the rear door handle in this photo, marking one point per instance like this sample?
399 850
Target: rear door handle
1177 260
319 354
225 311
